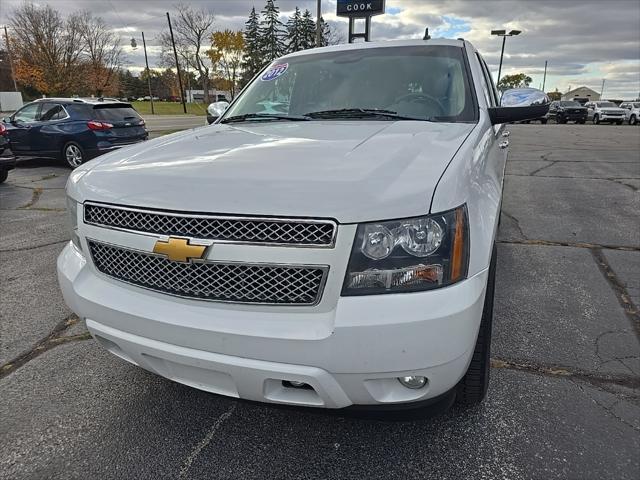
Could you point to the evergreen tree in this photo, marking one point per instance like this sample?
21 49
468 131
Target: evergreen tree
325 33
252 60
308 36
272 33
295 31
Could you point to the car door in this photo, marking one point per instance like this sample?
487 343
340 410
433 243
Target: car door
19 128
499 147
48 134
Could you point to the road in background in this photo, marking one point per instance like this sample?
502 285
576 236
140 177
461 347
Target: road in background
564 400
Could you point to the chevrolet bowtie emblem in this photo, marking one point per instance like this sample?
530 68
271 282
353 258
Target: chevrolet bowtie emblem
178 249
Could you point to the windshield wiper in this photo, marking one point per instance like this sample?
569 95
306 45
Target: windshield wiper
270 116
363 113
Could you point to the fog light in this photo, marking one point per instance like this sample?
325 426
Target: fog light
414 382
295 384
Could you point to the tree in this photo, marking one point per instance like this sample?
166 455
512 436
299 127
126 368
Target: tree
192 29
514 81
252 60
272 33
227 48
47 49
295 31
554 95
308 34
101 53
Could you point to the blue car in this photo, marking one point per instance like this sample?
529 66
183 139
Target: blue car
73 129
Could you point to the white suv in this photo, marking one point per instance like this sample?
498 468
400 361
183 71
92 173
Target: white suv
632 112
328 242
603 111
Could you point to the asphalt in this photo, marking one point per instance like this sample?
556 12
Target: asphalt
564 400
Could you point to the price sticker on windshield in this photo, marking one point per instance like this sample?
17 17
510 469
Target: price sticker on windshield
274 72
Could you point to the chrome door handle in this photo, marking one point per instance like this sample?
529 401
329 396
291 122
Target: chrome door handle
504 144
506 133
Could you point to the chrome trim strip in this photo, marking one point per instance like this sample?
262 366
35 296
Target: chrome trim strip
323 281
333 223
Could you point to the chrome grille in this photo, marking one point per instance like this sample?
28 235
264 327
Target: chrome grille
297 232
225 282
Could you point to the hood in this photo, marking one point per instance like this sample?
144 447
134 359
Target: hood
346 170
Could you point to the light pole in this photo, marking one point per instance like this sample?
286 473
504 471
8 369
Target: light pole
504 35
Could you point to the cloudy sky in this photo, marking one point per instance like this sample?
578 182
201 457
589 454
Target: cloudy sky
584 41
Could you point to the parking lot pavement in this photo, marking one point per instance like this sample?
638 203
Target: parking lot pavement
564 400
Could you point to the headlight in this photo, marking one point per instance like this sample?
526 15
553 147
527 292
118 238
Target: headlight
72 212
409 255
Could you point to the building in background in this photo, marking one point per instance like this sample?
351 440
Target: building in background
582 94
197 96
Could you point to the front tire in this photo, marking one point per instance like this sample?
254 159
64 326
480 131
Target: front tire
596 120
3 175
633 120
472 389
73 154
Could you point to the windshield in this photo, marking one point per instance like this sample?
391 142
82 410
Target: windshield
425 83
636 105
570 104
606 104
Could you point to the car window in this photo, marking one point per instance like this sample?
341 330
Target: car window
425 82
27 114
115 113
52 111
493 93
606 104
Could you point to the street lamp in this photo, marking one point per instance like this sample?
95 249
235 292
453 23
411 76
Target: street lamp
504 35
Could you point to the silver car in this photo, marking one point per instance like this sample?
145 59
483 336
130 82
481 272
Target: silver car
604 111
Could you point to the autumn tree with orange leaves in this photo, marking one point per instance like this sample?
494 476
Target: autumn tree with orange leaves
226 52
64 56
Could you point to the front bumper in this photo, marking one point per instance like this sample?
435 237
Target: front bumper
611 118
247 352
572 116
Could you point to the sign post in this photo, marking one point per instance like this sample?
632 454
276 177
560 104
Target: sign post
360 9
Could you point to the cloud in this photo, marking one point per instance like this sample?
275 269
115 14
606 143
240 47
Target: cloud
583 41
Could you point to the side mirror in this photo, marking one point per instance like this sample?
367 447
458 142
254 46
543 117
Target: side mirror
215 110
6 120
520 104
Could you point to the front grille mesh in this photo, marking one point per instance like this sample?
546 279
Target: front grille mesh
270 284
235 229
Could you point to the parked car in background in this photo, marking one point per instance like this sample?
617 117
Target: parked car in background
7 158
72 129
604 111
337 250
632 112
563 111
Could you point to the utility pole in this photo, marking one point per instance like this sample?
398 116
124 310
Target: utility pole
318 31
146 61
13 77
602 89
544 81
175 53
